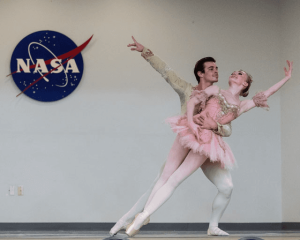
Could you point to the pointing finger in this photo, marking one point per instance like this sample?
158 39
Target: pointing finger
289 64
134 39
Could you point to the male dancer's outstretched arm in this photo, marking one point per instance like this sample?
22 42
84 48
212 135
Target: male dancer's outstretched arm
183 89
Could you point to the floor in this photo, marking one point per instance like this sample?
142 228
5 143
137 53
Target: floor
289 235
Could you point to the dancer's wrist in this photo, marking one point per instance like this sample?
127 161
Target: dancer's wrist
219 129
214 125
191 122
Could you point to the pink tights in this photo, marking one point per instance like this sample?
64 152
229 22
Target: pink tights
181 163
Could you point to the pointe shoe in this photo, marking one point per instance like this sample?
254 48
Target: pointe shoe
215 231
122 225
113 232
118 227
133 228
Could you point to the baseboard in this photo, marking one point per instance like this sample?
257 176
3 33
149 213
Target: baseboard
294 226
285 226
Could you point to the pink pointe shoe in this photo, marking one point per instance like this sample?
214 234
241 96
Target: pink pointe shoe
215 231
139 220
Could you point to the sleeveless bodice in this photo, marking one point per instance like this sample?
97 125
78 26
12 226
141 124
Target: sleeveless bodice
219 109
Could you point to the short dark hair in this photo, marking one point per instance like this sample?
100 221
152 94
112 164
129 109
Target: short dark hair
200 66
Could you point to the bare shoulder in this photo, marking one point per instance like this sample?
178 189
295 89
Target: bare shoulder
212 90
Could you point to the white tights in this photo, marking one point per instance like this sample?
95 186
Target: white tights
221 178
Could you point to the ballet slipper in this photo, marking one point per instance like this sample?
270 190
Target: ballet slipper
215 231
139 220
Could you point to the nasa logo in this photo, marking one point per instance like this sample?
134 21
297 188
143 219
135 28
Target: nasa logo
47 65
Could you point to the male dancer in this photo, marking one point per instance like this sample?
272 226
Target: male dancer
206 73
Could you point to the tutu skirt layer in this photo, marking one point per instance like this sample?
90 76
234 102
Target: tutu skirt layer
208 144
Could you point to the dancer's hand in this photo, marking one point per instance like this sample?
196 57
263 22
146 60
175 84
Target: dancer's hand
138 47
207 122
288 73
196 118
194 128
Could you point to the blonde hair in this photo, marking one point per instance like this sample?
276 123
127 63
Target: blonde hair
249 80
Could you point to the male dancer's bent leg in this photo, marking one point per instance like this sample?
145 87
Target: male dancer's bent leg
221 178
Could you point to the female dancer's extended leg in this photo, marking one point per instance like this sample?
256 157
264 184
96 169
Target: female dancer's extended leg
175 158
190 164
221 178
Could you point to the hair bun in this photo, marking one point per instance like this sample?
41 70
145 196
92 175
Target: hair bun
244 94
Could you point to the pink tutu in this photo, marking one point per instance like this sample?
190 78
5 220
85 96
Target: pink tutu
209 144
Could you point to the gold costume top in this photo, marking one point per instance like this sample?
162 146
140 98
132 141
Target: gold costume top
183 88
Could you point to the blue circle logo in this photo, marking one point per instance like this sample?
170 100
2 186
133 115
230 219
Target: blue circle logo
47 65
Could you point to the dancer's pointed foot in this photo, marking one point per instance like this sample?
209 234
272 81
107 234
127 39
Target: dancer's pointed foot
215 231
118 227
140 220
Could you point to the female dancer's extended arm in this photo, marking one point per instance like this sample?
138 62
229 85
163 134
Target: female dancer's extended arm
260 98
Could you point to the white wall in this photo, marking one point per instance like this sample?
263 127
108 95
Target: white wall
88 158
290 32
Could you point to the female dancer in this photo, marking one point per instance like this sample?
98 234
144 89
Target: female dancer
224 106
